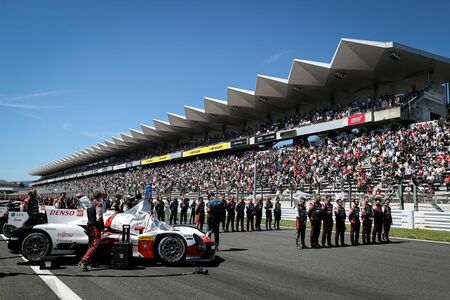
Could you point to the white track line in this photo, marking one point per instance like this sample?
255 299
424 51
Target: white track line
58 287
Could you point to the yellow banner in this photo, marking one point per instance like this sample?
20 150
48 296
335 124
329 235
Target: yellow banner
155 159
208 149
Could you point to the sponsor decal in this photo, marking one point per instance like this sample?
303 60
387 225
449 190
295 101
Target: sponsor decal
62 212
80 213
288 134
238 143
265 138
356 119
156 159
65 234
208 149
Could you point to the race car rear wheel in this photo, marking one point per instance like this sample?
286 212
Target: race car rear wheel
35 246
172 249
7 229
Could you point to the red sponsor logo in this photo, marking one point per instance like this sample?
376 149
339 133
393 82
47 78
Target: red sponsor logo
357 119
80 213
57 212
65 234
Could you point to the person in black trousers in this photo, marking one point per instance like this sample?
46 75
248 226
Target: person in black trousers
277 214
268 208
240 209
173 211
192 216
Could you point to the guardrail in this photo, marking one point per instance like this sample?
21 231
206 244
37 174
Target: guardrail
408 219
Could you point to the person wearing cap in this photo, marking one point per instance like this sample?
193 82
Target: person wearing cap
340 216
94 228
377 221
327 221
300 223
387 220
355 223
277 214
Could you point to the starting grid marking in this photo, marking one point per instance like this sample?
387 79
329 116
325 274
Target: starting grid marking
61 290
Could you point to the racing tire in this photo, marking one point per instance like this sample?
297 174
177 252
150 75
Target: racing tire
7 229
172 249
35 246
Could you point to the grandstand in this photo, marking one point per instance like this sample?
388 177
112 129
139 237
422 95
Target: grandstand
367 86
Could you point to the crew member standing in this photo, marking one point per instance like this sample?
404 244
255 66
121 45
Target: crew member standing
223 220
268 208
95 226
215 213
200 214
173 211
240 209
339 213
355 223
61 202
250 215
159 207
192 215
367 217
327 221
377 221
387 220
184 206
315 216
231 211
277 214
258 214
300 223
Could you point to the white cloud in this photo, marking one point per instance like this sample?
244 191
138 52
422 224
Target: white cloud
33 95
66 126
275 57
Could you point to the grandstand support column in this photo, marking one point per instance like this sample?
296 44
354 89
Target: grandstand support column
416 206
349 191
254 177
402 200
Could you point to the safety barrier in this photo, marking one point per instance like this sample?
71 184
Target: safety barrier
408 219
432 220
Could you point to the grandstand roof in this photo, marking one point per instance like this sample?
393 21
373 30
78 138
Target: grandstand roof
357 67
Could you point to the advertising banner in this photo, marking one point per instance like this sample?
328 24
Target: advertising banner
119 167
356 119
208 149
129 165
240 142
155 159
176 155
265 138
42 208
288 134
17 219
136 163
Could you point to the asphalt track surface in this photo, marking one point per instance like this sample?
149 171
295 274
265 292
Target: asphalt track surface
256 265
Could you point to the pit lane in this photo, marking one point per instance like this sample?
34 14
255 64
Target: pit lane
263 265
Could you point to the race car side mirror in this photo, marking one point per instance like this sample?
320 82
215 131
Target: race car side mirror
139 228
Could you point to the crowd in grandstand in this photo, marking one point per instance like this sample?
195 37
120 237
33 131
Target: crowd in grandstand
367 160
293 121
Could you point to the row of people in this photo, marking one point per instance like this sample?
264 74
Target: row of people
321 216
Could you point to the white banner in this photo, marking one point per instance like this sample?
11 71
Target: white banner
42 208
17 219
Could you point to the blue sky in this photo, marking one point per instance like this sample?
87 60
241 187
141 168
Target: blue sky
73 73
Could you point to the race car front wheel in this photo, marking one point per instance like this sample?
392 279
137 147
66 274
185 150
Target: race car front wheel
35 246
7 229
172 249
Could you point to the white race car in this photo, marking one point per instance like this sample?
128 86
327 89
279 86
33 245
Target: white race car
65 234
